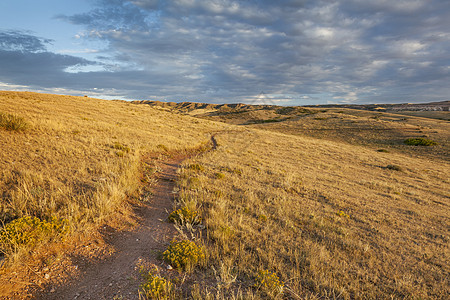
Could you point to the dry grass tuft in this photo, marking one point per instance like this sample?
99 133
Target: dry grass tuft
12 122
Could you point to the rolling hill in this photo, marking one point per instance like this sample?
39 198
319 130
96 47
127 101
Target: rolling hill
284 202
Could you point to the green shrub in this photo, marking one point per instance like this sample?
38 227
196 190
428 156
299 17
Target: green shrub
155 286
185 215
119 146
419 142
28 231
265 121
262 218
342 214
394 167
269 282
120 153
196 167
184 255
12 122
219 175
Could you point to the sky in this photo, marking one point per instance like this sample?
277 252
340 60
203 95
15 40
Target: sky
285 52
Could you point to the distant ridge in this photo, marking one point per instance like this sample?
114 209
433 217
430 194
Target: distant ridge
431 106
189 106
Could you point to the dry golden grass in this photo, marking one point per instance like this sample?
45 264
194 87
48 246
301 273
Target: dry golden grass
304 208
439 115
329 218
80 158
380 130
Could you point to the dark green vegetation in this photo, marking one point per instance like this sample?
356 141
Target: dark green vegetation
419 142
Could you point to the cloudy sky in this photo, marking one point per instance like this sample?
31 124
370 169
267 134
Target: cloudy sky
222 51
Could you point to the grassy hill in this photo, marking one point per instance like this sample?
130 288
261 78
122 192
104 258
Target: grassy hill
296 203
363 126
80 151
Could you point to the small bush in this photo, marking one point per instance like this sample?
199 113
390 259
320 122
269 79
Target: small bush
120 153
262 218
218 193
123 148
269 282
28 231
419 142
237 172
155 286
12 122
394 167
184 255
185 215
342 214
163 147
194 183
196 167
219 175
225 232
383 150
265 121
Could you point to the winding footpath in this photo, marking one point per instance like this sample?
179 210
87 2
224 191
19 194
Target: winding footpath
117 276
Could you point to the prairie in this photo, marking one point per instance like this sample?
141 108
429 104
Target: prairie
332 220
78 153
292 203
79 160
331 200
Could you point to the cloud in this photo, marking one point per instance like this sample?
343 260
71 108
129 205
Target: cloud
79 51
24 60
15 40
230 51
111 15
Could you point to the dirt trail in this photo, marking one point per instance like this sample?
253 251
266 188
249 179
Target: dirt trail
117 276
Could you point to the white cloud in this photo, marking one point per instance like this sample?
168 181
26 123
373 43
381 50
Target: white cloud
223 50
77 51
408 48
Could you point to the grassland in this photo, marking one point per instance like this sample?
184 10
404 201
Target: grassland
331 201
330 219
377 130
293 203
79 160
80 156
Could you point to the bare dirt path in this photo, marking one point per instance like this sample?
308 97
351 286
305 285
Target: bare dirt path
117 276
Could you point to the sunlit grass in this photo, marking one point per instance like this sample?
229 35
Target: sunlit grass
81 160
323 216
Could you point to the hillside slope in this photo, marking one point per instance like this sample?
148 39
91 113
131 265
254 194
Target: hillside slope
324 202
294 203
350 124
329 219
77 164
